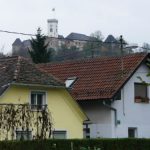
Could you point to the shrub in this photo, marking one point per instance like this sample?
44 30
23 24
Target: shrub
93 144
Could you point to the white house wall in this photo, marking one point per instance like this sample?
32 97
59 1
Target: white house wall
100 116
129 113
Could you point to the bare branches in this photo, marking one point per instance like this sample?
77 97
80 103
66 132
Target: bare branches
15 117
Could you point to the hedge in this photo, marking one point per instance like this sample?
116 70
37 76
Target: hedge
93 144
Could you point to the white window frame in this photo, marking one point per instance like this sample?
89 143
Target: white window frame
138 98
60 131
135 129
72 79
19 130
36 92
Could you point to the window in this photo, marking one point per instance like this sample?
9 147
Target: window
140 91
70 81
38 100
51 30
23 135
118 96
86 133
132 132
59 134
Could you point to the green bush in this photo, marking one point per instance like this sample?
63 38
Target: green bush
93 144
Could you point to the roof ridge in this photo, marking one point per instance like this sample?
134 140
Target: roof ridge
17 70
48 74
91 59
8 57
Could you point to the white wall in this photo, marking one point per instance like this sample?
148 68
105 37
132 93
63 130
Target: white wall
100 116
54 25
129 113
133 114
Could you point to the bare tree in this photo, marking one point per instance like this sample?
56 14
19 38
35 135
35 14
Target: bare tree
20 116
98 35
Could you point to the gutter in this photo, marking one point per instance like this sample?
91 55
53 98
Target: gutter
29 85
37 85
113 109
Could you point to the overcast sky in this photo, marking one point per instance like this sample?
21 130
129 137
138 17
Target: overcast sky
131 18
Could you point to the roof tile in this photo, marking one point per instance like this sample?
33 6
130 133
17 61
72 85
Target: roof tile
98 78
21 71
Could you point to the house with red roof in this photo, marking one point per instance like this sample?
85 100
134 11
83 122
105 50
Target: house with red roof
111 92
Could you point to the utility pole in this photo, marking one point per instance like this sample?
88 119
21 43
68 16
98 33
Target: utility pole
121 48
122 69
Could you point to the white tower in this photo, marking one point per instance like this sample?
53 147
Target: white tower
52 28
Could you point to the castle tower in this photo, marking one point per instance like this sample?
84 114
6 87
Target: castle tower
52 28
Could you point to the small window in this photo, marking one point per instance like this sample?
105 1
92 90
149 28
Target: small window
51 30
132 132
70 81
59 134
86 133
118 96
23 135
140 91
38 100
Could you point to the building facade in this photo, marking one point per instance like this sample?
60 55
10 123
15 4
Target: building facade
22 83
111 93
54 40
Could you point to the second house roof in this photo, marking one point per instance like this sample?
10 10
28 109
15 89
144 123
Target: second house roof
99 78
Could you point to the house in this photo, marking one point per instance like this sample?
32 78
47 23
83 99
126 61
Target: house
111 39
22 82
110 92
77 39
21 47
111 46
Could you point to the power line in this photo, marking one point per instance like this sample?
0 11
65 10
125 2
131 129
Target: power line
97 41
21 33
88 40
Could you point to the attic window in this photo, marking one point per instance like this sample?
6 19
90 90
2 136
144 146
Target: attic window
70 81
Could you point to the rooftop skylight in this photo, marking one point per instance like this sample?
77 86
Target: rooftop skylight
70 81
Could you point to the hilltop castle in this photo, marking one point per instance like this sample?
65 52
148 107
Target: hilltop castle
55 40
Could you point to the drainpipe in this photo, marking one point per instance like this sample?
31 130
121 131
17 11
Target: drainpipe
113 109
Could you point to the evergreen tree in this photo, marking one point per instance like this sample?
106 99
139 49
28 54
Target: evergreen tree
39 50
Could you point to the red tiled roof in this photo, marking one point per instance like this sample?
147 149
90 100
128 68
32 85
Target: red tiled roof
98 78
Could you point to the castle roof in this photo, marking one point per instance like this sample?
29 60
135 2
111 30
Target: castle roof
110 39
17 42
78 36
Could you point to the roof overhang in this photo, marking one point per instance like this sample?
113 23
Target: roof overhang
37 85
131 74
